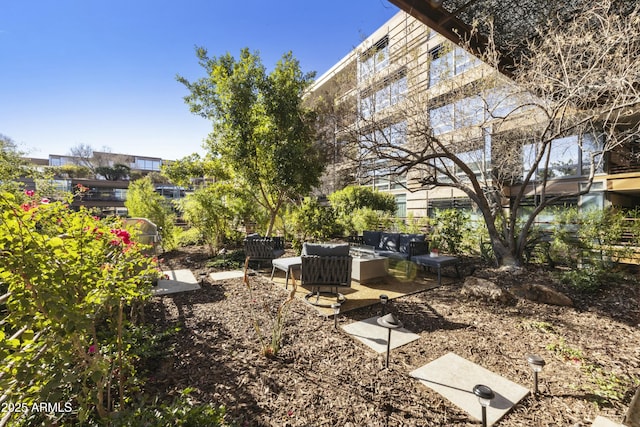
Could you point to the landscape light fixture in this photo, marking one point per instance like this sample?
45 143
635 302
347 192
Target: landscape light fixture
336 311
536 363
485 394
390 321
384 299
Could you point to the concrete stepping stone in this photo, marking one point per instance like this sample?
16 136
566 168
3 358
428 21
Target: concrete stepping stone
179 281
225 275
454 377
601 421
375 336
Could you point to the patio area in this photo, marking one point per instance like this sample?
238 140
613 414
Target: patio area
324 376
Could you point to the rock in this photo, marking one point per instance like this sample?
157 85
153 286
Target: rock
542 294
475 287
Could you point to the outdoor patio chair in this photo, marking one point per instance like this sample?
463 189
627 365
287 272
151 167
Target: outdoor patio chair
263 249
325 266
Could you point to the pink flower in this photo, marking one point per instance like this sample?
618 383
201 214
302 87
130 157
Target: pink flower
29 193
92 349
44 200
123 235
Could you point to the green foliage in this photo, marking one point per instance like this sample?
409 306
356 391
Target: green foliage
70 276
449 227
181 412
312 220
189 237
143 202
13 166
207 211
116 172
590 278
194 168
72 171
233 260
606 386
261 131
357 201
362 219
590 244
413 224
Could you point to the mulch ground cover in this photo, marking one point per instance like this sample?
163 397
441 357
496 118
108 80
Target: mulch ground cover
324 377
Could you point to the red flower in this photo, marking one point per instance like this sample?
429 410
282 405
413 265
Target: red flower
92 349
29 193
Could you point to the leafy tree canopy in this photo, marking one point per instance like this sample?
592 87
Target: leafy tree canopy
261 129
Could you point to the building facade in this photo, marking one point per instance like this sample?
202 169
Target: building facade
405 75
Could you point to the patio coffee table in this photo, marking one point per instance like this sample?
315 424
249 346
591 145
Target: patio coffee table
365 269
437 262
287 265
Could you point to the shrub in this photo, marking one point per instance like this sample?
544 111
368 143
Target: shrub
350 199
312 220
71 276
189 237
449 226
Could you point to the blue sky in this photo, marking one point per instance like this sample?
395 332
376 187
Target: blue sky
102 73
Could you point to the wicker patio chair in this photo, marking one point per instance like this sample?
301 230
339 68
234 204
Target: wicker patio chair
263 249
325 266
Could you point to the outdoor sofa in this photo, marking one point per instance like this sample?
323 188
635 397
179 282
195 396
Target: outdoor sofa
401 246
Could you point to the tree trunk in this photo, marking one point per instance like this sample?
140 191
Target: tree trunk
505 255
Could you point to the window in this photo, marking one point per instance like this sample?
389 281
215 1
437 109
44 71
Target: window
446 62
392 91
441 119
591 152
374 59
440 65
468 112
147 164
401 205
120 193
565 157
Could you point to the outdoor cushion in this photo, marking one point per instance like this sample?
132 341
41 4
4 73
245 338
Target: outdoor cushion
392 254
371 238
403 242
320 249
389 241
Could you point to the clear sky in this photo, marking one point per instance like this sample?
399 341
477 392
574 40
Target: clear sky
102 73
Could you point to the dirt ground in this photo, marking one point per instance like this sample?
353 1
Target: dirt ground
324 377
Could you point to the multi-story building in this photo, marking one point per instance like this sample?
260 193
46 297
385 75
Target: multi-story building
107 195
406 72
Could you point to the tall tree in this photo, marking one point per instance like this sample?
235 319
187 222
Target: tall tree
261 129
577 89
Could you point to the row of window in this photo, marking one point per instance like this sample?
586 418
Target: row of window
140 163
568 157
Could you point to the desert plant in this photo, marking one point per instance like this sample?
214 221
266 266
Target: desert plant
269 347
